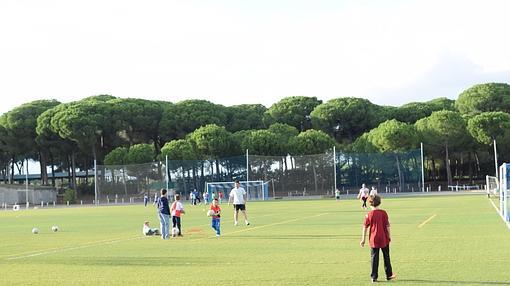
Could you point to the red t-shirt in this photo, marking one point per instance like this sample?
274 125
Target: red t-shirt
378 222
215 209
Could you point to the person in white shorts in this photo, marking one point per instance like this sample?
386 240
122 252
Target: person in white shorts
239 197
363 195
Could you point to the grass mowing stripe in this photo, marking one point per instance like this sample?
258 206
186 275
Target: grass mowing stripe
426 221
498 212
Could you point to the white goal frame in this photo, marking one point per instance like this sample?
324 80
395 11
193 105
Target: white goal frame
256 190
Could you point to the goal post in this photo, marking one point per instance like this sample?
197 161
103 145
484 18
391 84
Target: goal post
504 185
256 190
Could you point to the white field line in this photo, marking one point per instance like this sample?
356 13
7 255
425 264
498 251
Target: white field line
102 242
269 225
499 214
29 254
426 221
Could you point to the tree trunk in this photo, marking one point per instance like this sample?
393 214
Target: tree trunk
448 169
43 158
52 170
73 166
314 177
400 177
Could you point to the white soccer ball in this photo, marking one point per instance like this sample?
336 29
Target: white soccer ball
35 230
54 228
175 231
210 212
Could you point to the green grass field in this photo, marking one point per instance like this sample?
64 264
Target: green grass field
462 242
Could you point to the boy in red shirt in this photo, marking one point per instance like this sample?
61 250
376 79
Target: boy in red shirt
215 223
379 237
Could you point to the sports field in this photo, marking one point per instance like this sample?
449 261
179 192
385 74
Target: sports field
436 240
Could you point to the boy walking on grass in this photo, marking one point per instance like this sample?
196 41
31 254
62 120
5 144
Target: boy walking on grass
215 223
377 221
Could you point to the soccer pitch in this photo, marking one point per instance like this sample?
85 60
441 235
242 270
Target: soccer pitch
436 240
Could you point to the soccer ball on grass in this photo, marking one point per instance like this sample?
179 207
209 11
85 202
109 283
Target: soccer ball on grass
35 230
54 228
175 232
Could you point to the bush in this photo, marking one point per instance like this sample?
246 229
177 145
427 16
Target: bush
70 196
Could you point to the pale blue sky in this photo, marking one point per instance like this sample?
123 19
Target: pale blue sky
233 52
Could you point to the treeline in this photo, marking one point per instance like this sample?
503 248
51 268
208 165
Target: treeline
457 134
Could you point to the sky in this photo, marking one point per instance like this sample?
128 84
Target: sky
250 51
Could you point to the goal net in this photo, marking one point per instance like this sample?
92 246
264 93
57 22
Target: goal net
256 190
492 186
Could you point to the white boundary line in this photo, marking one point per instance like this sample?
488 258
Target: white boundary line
73 248
497 211
426 221
117 240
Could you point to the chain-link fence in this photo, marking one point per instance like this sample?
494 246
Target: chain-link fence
285 175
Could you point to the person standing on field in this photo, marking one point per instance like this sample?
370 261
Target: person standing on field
379 238
239 197
164 214
373 191
363 195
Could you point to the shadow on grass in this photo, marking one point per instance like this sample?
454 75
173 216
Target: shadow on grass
445 282
294 236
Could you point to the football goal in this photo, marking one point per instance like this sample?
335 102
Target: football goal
257 190
492 186
504 185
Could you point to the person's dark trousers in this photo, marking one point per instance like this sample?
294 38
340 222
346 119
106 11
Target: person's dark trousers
176 222
364 202
375 262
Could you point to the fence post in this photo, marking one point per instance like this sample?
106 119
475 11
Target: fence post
95 181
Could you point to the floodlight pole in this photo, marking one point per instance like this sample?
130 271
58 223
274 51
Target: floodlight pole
334 167
166 173
95 182
496 158
422 169
247 169
26 185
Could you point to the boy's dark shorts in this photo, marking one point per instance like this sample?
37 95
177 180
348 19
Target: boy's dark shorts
240 207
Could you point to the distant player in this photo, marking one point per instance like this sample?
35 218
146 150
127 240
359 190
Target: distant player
176 210
215 223
363 195
147 230
377 221
206 197
145 199
239 197
373 191
220 196
337 194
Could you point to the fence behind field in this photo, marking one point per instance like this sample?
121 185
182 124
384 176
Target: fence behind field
285 175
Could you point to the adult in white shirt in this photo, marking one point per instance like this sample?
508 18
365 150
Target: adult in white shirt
239 197
373 191
363 195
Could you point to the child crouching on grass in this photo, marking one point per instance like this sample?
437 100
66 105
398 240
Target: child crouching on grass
215 223
379 237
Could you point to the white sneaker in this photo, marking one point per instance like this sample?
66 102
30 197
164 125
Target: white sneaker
235 223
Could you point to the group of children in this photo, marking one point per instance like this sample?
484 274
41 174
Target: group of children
174 212
165 213
376 223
